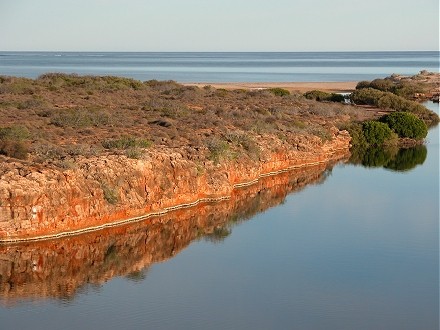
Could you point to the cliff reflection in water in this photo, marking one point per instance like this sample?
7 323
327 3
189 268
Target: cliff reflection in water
395 159
62 268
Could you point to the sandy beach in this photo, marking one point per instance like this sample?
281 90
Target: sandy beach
344 86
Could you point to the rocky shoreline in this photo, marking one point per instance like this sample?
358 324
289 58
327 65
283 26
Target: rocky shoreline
48 203
30 270
83 153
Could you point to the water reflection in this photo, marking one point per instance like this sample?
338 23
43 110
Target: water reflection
395 159
63 268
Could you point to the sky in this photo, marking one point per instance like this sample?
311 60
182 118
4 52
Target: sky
221 25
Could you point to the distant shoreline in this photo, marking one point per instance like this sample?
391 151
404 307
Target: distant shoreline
345 86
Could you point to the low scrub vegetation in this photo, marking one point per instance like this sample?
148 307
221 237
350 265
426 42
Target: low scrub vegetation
376 133
219 150
405 89
386 130
80 118
132 146
387 100
106 83
126 142
110 194
279 91
57 118
324 96
13 141
406 125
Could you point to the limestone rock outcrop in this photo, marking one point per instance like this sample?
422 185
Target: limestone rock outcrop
37 201
63 267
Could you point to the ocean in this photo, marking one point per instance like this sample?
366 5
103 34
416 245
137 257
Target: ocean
223 67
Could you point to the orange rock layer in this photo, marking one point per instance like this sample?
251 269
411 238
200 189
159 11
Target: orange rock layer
59 268
102 191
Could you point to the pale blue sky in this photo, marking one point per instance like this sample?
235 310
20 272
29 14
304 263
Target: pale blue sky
222 25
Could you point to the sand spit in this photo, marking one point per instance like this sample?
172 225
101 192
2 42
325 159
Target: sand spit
339 87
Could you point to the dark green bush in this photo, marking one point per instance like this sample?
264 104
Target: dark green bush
334 97
376 133
357 135
406 125
324 96
317 95
368 96
387 100
384 85
363 84
405 89
279 91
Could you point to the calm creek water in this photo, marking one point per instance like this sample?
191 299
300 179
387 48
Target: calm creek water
358 249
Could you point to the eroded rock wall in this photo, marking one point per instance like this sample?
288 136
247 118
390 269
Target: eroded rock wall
60 268
44 201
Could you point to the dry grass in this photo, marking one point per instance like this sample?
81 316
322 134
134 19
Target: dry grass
67 116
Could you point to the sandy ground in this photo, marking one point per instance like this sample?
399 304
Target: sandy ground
346 86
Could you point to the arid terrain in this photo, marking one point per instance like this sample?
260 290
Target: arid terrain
62 117
79 152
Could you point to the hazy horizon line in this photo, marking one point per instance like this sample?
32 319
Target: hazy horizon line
219 51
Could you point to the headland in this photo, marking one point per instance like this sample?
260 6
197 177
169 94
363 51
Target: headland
83 153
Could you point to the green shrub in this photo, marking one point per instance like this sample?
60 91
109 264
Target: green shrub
376 133
356 134
406 125
368 96
317 95
363 84
80 118
15 149
405 89
384 85
134 153
221 92
219 150
16 133
13 142
18 86
244 141
387 100
324 96
126 142
104 83
279 91
334 97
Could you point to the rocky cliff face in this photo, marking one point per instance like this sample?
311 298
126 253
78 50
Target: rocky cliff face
46 201
59 268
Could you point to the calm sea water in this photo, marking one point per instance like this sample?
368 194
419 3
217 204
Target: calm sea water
359 250
223 67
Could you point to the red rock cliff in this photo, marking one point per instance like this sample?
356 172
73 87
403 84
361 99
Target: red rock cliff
58 268
44 201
